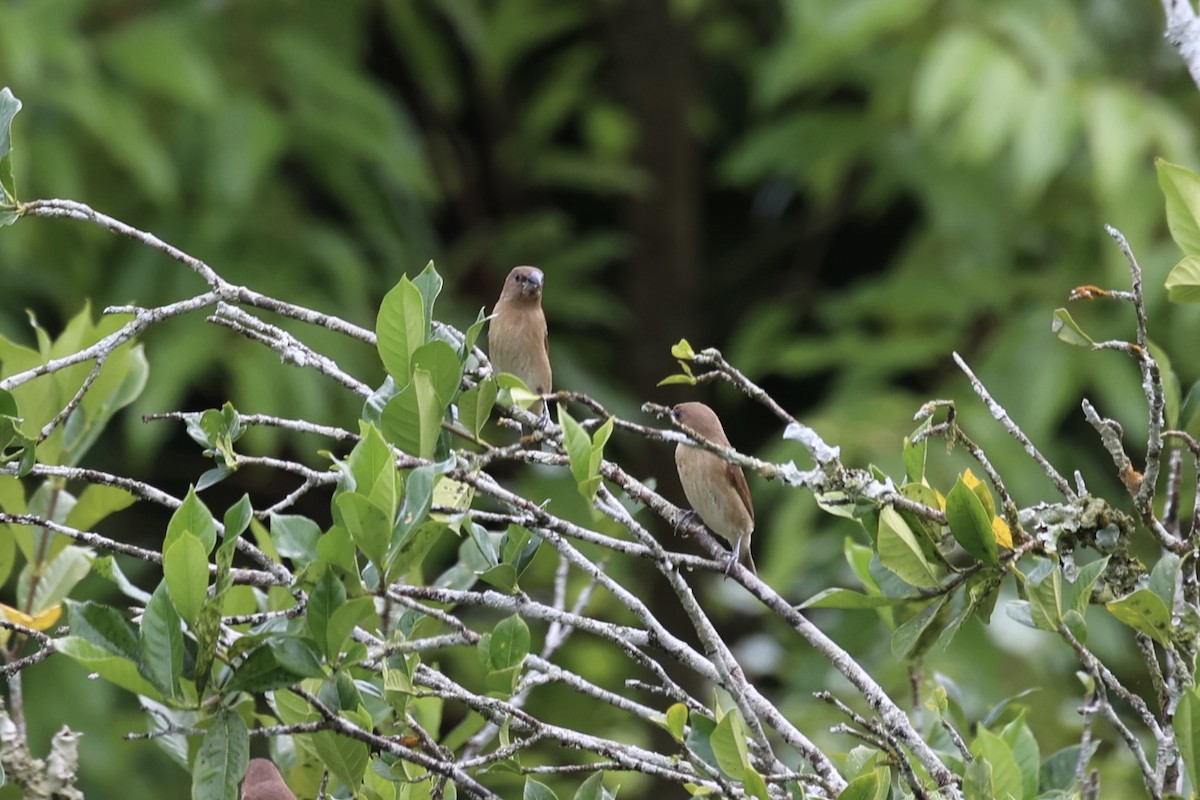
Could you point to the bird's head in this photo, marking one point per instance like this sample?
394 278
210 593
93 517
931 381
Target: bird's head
524 282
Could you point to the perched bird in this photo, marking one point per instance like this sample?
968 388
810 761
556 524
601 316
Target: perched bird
517 338
716 489
263 782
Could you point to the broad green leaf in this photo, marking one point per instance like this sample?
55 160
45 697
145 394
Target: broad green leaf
1045 589
754 784
412 419
222 758
510 643
868 786
1181 188
104 626
900 551
1078 594
1145 612
261 671
9 106
675 721
115 669
295 537
1183 281
400 328
161 637
1006 780
1187 732
729 746
440 360
238 517
185 570
343 622
59 578
475 405
373 468
326 597
1064 326
907 637
97 502
848 598
593 789
536 790
370 529
193 517
1026 753
970 523
409 551
344 757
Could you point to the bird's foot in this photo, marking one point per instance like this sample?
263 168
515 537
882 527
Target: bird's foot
682 522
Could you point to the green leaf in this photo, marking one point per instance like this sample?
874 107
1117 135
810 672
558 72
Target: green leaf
185 569
475 405
1145 612
1064 326
295 537
326 597
729 746
104 626
1181 188
222 758
412 419
671 380
868 786
683 350
369 527
914 454
1183 281
907 637
193 517
238 517
59 577
970 523
9 106
117 670
1026 753
373 468
1044 586
593 789
162 644
97 502
1187 732
900 552
440 360
400 329
346 758
261 671
535 790
1006 778
754 784
848 598
675 721
429 283
510 643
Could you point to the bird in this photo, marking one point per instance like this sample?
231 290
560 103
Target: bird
263 782
518 342
715 488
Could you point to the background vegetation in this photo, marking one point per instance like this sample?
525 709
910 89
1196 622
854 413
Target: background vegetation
837 193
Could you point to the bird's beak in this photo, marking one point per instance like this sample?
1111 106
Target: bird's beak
534 286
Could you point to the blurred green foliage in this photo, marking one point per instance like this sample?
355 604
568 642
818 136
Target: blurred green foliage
838 193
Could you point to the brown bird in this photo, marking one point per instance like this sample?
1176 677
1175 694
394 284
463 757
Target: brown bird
716 489
518 342
263 782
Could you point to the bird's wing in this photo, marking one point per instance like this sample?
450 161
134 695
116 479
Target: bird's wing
738 479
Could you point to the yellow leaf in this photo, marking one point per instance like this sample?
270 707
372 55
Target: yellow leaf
970 480
39 623
1003 534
